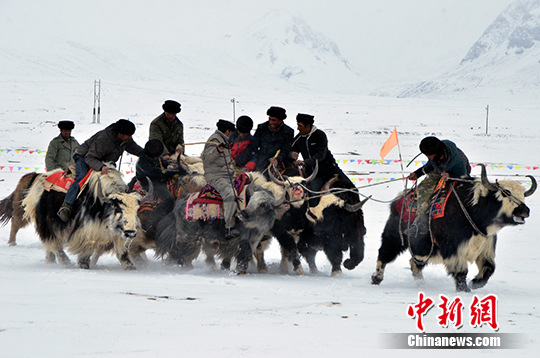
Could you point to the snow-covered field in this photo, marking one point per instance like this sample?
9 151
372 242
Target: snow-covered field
159 310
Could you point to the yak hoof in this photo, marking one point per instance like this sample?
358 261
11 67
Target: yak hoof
475 283
299 270
376 279
12 243
349 264
462 287
336 272
50 257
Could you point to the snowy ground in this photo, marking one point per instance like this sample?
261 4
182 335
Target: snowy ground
55 311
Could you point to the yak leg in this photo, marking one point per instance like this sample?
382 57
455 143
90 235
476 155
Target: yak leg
13 232
54 250
309 254
335 256
122 253
293 257
391 248
259 255
50 257
210 250
416 268
457 268
356 255
486 267
378 275
84 261
243 257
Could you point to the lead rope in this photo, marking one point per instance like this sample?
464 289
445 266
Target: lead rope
467 215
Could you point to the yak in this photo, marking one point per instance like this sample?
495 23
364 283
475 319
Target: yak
11 207
181 239
104 214
475 210
335 224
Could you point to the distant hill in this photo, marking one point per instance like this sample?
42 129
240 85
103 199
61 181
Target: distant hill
506 58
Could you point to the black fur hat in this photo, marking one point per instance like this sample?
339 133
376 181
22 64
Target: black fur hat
171 106
277 112
153 148
69 125
124 126
305 118
223 125
431 145
244 124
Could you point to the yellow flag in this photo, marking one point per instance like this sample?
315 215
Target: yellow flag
390 143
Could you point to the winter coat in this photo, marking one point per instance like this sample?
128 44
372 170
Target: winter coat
60 152
104 146
314 147
266 144
454 162
148 168
217 164
170 134
241 150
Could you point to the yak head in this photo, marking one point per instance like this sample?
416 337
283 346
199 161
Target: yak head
120 208
510 194
260 209
294 187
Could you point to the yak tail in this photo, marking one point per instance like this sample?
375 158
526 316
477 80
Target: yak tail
166 236
6 209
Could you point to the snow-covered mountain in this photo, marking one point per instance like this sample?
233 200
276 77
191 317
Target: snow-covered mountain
286 46
506 58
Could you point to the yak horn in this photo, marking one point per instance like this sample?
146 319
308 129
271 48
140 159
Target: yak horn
329 184
100 195
355 207
533 186
274 179
150 193
314 174
485 180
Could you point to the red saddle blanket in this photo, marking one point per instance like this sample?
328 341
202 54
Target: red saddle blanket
207 204
209 195
60 182
407 204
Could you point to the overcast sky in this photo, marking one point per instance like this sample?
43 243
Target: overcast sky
381 38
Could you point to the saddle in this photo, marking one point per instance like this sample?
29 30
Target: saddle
61 181
207 204
407 204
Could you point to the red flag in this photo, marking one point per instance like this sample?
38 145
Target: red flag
390 143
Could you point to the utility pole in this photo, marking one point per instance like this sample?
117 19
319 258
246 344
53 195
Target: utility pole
487 118
234 110
97 102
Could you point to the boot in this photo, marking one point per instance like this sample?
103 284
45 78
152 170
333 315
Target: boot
419 227
64 212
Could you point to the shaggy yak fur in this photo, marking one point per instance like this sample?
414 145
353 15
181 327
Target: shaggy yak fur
455 240
103 214
335 225
11 207
181 240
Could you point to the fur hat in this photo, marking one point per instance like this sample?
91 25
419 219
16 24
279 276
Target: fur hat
69 125
223 125
171 106
244 124
124 126
276 112
305 119
431 145
153 148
